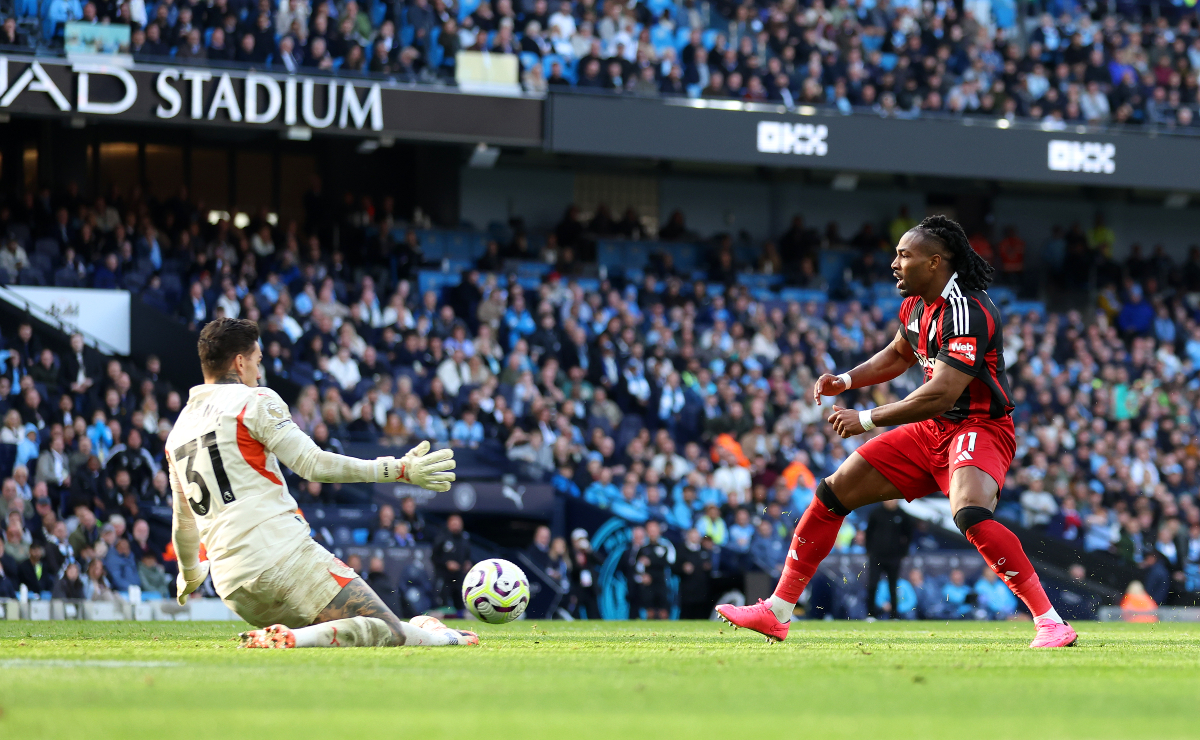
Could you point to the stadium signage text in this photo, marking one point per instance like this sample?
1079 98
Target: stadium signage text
775 137
1082 156
254 99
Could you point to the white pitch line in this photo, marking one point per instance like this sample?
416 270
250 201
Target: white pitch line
87 664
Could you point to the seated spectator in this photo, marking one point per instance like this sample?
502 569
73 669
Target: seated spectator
401 536
152 576
9 576
33 573
905 594
995 596
71 585
16 539
712 526
384 526
959 597
768 551
96 584
121 566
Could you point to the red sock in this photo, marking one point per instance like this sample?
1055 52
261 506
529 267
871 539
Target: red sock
1003 553
814 538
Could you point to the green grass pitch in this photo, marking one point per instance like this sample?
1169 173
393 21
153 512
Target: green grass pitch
605 680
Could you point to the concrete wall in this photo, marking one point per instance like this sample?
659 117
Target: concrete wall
539 196
710 205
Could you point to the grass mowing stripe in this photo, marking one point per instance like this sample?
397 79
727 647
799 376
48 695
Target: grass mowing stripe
608 680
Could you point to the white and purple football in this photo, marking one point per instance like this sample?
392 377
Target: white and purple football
496 591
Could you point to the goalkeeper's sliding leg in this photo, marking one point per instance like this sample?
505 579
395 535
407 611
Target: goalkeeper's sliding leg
312 599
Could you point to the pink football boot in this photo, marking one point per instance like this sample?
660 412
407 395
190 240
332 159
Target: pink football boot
758 617
1053 634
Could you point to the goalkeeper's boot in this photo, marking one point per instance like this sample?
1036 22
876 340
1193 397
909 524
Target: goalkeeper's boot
276 636
757 617
1053 634
433 624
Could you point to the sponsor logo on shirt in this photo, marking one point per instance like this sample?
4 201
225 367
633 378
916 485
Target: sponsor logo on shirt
962 349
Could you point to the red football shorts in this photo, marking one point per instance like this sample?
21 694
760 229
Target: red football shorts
920 458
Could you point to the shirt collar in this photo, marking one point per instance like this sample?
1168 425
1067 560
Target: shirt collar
950 285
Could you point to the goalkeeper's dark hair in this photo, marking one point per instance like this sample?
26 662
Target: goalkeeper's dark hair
221 340
974 273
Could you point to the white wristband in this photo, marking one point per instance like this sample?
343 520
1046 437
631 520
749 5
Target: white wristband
864 418
845 378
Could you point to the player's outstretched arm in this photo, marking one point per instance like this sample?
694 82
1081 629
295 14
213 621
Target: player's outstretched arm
186 539
271 425
888 363
934 398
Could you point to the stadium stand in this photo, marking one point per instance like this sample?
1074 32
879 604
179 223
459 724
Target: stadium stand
666 380
1122 64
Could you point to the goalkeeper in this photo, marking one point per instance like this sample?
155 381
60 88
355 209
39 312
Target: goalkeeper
223 457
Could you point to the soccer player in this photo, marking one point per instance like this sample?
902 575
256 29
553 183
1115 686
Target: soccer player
954 433
223 457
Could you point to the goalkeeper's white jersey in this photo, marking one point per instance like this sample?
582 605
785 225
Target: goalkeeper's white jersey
221 461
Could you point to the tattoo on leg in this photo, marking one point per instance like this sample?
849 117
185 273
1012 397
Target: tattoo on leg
357 599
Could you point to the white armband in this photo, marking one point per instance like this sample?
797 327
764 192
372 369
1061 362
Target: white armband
864 418
845 378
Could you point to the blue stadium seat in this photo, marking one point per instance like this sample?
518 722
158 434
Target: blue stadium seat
803 295
759 281
465 8
661 36
66 278
529 60
42 262
31 276
710 38
47 247
889 305
621 254
432 243
682 35
1002 295
1024 308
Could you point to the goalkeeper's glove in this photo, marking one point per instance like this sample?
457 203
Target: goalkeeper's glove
420 467
188 581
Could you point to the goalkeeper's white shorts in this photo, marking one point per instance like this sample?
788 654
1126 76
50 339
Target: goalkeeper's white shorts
294 590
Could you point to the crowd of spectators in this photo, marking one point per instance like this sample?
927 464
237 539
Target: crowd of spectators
1066 63
665 399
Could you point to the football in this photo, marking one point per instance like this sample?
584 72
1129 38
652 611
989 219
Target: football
496 591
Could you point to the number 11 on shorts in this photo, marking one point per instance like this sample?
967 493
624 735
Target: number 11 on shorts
970 437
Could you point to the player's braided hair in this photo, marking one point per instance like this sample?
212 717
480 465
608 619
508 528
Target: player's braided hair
974 273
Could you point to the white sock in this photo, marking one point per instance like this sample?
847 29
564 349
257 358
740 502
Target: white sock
781 609
352 632
1052 615
368 632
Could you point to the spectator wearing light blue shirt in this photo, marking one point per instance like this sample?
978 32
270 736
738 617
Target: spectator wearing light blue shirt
768 551
905 594
685 508
995 596
956 594
629 507
602 492
467 431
